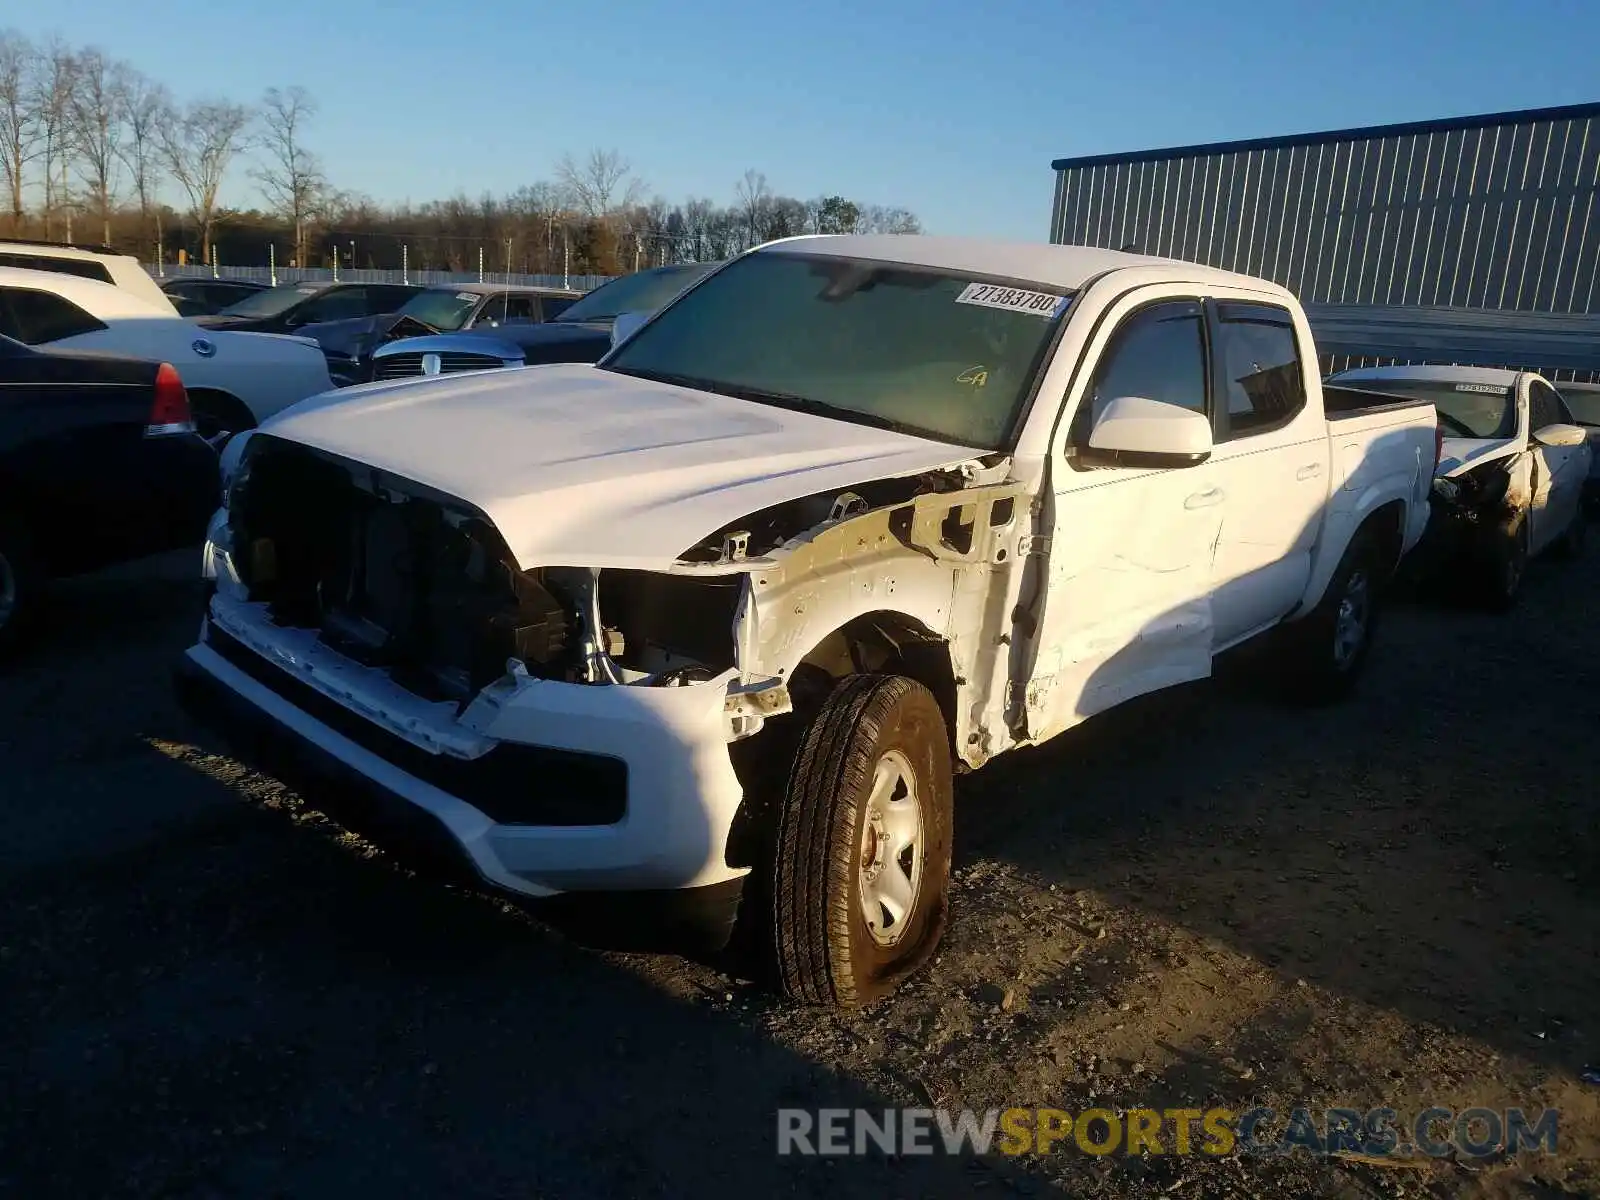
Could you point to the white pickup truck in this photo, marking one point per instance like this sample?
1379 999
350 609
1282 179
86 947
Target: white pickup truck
713 622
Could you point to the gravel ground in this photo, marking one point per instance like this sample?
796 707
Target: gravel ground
209 990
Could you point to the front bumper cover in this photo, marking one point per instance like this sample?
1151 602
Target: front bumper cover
611 879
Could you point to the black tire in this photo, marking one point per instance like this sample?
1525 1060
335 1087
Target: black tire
826 951
21 582
1506 565
1328 647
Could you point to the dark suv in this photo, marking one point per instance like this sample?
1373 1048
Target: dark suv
284 309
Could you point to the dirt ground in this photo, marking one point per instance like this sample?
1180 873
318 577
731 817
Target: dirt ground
207 990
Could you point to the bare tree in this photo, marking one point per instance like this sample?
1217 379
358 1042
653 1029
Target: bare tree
755 198
98 109
199 146
19 127
601 184
875 218
291 179
146 108
53 89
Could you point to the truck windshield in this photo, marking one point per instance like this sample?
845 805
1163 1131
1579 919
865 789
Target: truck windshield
272 301
443 308
1469 410
644 291
929 352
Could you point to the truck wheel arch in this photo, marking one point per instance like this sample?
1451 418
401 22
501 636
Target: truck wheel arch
883 642
1386 523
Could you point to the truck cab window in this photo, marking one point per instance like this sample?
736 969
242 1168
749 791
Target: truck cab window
1260 364
1158 353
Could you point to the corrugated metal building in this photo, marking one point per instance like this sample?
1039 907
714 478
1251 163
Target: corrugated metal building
1493 212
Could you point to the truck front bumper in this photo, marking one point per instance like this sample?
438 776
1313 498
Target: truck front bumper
654 877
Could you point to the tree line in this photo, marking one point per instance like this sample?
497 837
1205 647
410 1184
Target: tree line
93 148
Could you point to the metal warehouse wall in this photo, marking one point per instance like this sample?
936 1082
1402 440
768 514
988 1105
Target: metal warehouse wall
1482 212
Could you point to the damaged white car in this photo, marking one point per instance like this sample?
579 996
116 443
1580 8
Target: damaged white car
705 629
1512 472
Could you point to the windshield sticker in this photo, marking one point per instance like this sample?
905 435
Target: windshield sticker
1488 389
308 291
466 295
993 295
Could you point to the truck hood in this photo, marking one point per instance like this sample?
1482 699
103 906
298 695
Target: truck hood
1460 455
583 467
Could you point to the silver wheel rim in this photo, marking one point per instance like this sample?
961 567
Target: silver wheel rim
1350 626
8 591
891 853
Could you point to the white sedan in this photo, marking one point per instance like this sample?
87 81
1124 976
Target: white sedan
1512 466
235 380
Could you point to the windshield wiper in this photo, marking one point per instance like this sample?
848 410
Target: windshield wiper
789 400
821 408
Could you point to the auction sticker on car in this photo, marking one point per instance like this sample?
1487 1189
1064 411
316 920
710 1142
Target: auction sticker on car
994 295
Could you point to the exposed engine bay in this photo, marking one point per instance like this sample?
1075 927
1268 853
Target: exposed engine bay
397 576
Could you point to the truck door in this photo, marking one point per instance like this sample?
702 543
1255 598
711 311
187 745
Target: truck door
1271 462
1124 603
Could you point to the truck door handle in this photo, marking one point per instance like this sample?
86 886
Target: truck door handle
1204 499
1309 471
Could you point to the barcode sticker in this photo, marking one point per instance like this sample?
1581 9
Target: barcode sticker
994 295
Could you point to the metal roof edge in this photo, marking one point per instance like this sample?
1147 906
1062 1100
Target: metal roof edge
1524 116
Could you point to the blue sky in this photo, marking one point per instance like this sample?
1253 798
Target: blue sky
953 110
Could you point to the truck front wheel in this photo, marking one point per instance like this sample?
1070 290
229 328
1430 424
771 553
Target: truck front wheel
861 868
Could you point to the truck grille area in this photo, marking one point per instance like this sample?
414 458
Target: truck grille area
513 784
391 574
406 366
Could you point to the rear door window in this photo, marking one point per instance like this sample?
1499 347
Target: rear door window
1262 381
39 317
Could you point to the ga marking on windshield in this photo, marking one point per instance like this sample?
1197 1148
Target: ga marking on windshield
993 295
466 295
1487 389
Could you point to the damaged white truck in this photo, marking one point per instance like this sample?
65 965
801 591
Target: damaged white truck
710 625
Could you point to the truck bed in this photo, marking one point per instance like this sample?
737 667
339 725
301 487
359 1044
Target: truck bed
1344 403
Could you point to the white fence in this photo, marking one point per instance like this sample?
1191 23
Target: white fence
581 283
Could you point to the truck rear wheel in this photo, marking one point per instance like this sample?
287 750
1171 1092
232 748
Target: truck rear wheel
1330 644
861 867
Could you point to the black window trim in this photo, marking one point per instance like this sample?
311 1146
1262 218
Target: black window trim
1069 445
1222 426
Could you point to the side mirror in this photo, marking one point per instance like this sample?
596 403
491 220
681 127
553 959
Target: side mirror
1561 434
1135 432
624 326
